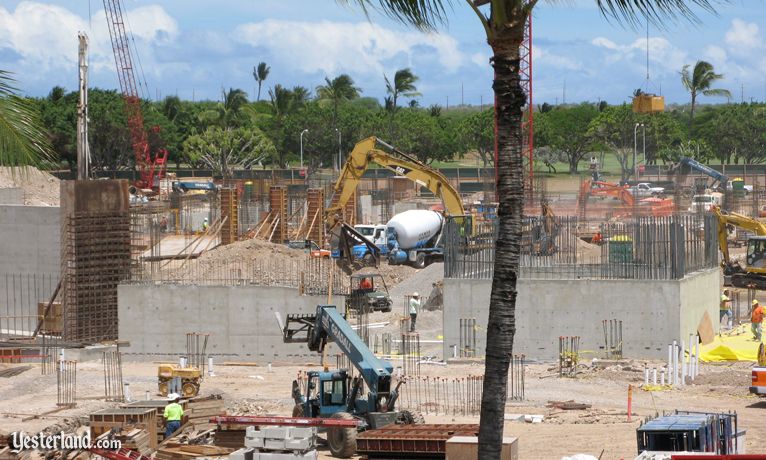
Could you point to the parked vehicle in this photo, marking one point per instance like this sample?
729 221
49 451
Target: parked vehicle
706 202
645 189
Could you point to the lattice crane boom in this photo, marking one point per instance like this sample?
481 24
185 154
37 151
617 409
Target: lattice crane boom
147 166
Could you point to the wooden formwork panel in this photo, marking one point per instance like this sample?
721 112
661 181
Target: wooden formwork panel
143 418
278 206
229 211
349 210
315 215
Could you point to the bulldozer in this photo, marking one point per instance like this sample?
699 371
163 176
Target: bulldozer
189 379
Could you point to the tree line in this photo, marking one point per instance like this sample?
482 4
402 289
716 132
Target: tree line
235 132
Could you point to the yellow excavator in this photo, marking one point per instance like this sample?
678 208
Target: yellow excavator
368 151
753 274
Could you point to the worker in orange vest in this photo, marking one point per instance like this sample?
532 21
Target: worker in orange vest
756 319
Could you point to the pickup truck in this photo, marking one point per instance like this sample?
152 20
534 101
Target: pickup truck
645 189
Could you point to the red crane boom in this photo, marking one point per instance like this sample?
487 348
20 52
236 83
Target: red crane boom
150 169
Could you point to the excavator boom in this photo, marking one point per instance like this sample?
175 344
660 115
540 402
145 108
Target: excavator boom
366 152
753 275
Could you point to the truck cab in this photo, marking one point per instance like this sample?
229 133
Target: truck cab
705 202
375 234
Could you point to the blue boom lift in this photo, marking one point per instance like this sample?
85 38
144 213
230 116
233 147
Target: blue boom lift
334 393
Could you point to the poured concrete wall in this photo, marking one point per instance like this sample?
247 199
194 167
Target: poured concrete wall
13 195
30 239
240 319
654 313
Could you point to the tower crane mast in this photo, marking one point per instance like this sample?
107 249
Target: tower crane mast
150 169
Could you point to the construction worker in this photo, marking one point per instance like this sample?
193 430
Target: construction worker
598 238
173 414
365 284
414 308
725 306
205 225
755 320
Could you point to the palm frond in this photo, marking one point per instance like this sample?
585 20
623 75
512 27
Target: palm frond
658 12
23 141
422 14
717 92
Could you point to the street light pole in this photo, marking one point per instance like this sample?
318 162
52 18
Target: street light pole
302 133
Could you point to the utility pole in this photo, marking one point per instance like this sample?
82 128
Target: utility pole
462 100
83 151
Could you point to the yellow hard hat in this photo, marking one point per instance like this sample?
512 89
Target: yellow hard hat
755 301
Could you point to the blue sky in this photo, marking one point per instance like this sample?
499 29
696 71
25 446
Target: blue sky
193 48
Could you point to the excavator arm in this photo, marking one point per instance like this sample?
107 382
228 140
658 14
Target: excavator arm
366 152
738 220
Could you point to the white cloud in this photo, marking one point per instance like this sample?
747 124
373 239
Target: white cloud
665 57
545 56
332 47
480 59
45 36
743 36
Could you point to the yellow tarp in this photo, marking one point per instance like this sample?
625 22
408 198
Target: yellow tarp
737 346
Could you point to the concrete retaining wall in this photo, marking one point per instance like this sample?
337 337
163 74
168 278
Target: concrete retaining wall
654 313
240 319
30 239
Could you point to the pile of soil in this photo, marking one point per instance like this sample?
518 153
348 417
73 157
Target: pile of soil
39 187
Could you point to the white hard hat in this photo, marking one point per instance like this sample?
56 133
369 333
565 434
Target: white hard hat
415 294
205 219
173 396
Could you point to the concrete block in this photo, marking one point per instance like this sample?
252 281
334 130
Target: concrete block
273 444
254 443
276 432
253 432
242 454
299 432
467 448
301 444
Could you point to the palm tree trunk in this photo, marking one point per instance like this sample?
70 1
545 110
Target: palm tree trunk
259 92
691 113
501 324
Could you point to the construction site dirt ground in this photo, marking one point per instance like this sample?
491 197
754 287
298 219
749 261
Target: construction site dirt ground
256 391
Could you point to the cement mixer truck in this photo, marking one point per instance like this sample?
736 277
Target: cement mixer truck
414 238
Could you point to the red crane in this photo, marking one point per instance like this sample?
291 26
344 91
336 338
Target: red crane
150 169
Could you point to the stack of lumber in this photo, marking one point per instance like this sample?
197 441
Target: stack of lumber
175 451
159 406
135 439
202 408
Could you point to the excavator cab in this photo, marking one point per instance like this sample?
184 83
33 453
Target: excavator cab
756 252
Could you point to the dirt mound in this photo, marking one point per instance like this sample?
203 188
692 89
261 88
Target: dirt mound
254 249
39 187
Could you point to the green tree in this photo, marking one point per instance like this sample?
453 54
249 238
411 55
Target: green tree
223 150
228 112
261 73
402 86
504 27
699 81
23 140
565 130
477 134
338 90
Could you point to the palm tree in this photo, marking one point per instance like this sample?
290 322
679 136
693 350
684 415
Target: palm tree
227 113
504 26
23 140
337 90
699 82
403 85
261 73
282 101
